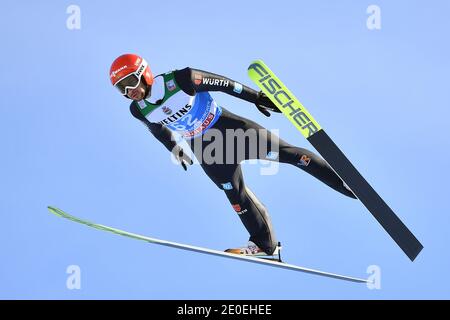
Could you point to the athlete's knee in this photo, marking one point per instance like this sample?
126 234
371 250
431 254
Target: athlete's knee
298 156
233 193
227 186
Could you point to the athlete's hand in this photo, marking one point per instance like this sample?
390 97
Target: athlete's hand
181 157
264 104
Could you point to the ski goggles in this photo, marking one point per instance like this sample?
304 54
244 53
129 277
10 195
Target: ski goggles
132 80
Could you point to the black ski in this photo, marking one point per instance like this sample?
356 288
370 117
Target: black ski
283 98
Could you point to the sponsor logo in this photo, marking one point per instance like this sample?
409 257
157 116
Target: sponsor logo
216 82
296 111
176 116
237 87
197 78
227 186
140 70
113 74
272 155
201 128
238 209
167 110
170 85
304 160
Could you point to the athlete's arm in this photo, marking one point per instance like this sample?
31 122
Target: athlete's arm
164 135
194 80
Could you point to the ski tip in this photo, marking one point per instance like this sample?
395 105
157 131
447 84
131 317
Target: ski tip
255 62
54 210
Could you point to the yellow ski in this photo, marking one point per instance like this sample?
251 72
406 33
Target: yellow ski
291 107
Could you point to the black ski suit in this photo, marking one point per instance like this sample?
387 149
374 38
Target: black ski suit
226 174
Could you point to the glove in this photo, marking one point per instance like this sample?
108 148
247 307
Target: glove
264 104
181 157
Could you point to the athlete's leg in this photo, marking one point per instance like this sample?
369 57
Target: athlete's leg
276 149
250 210
314 165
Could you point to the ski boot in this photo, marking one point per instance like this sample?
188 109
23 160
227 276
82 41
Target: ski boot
252 250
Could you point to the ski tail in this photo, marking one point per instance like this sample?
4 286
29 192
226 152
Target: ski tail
398 231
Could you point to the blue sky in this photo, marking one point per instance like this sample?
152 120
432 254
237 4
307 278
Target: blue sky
68 140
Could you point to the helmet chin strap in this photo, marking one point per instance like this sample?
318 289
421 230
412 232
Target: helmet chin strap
148 91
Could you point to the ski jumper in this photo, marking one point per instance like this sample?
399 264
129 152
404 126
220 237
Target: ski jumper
180 101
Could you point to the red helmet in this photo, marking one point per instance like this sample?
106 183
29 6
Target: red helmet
127 71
